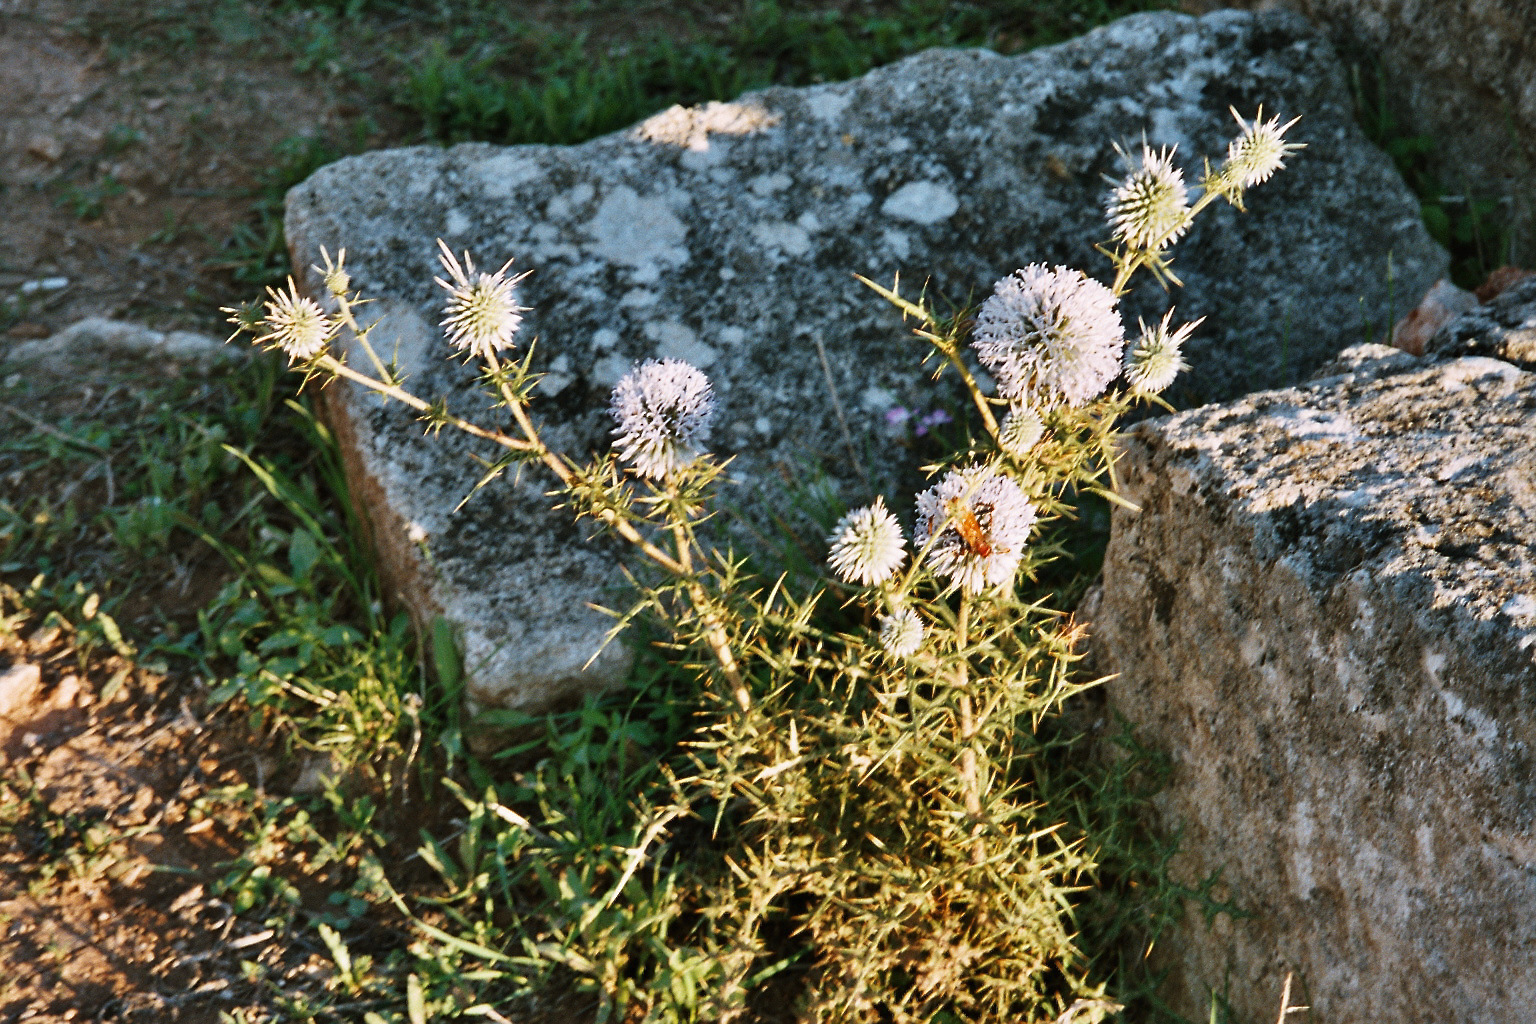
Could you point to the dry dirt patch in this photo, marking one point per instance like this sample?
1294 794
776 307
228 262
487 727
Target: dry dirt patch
126 165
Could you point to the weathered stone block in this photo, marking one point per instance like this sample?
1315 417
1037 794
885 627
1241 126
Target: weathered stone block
1325 614
1504 329
729 235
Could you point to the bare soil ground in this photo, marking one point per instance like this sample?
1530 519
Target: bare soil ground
125 164
125 171
104 878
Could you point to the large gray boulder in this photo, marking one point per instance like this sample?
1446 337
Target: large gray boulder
1325 615
728 235
1460 73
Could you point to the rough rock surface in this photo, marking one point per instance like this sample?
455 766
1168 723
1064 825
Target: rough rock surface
1443 303
728 236
1325 614
1462 72
93 340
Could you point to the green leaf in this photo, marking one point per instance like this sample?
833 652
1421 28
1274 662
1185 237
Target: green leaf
115 683
303 553
445 654
338 948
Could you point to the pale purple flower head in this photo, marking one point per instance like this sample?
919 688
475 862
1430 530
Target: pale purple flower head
663 410
1149 209
1049 336
979 522
901 633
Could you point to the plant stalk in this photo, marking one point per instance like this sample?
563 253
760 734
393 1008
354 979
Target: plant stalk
970 789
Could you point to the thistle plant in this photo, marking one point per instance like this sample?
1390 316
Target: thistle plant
864 770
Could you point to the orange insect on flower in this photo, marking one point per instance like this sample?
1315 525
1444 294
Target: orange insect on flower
969 528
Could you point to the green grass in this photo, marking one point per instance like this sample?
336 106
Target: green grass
577 90
256 252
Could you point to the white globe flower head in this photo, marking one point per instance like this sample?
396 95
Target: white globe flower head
1158 355
663 410
1021 430
296 324
901 633
978 522
482 314
1049 335
1150 208
1259 150
867 545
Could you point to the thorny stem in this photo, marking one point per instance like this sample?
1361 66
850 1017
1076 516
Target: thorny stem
340 369
344 306
952 353
567 476
681 565
1139 258
714 629
950 350
969 787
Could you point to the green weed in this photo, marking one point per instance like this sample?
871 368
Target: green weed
89 202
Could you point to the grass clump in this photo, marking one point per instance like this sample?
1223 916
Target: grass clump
1476 229
574 93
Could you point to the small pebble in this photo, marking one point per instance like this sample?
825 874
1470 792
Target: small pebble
45 147
45 284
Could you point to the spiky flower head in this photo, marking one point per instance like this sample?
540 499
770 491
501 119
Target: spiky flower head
867 545
247 317
1258 151
482 313
1150 208
901 632
1157 357
663 410
978 522
1049 336
1021 431
296 324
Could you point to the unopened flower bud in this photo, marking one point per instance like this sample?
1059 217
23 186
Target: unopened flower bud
1157 357
1259 150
